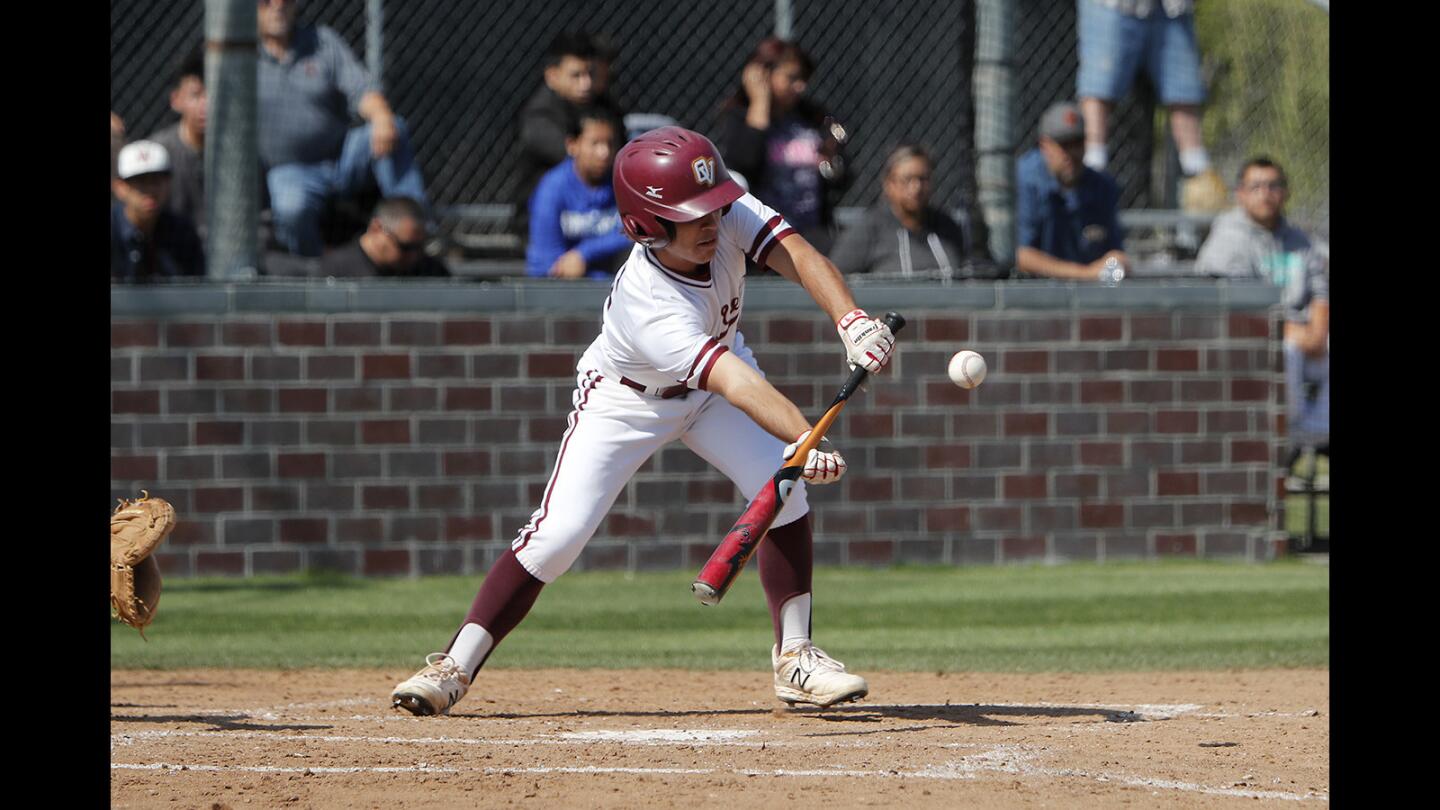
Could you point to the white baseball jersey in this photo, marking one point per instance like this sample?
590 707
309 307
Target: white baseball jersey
663 329
662 333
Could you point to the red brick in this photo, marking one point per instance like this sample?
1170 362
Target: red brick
134 468
1177 422
226 563
467 462
578 332
301 333
469 528
1104 454
522 398
1242 451
468 398
1026 486
356 333
947 456
385 367
619 524
870 489
441 496
1249 326
550 364
1242 390
1103 328
329 367
413 398
947 519
466 333
385 431
387 561
873 552
142 402
872 426
1178 483
1177 360
1025 362
1101 391
219 367
710 492
1022 548
946 393
1127 422
219 433
1102 515
1197 391
190 334
945 330
1182 545
219 499
304 400
125 334
998 517
1249 514
301 465
790 330
1077 486
414 333
1026 424
304 530
1151 327
246 334
385 497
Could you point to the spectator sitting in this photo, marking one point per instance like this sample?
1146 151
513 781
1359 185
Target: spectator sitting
185 142
147 240
553 112
1255 241
785 145
1067 214
309 86
902 233
574 222
392 246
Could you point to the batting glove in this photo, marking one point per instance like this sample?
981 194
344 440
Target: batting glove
824 465
868 341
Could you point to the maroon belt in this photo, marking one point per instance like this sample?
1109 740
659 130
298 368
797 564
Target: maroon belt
664 393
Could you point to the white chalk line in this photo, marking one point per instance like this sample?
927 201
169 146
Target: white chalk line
658 737
1001 760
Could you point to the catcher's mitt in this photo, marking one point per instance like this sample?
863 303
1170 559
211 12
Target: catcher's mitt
136 529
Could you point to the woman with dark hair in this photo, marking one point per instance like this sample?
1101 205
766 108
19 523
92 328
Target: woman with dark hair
786 146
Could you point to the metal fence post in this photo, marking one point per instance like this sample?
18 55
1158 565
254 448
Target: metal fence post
375 40
232 194
994 124
784 19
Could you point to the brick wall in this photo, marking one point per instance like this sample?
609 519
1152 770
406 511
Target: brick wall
414 443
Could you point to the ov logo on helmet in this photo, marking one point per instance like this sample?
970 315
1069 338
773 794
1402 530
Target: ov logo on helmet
704 168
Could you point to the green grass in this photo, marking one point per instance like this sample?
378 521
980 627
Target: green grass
1070 618
1297 507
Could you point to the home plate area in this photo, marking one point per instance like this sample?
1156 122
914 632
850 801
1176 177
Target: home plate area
623 738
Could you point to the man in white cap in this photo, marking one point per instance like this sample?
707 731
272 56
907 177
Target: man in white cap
147 241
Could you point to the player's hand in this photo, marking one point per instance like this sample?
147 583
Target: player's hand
824 465
868 341
570 265
383 136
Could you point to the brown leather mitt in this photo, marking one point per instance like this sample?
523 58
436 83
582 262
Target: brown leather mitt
136 530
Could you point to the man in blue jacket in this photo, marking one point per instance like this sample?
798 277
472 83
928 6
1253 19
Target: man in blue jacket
574 224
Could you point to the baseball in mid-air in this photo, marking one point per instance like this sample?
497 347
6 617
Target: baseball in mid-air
967 369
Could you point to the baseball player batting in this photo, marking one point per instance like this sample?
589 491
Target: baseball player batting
671 363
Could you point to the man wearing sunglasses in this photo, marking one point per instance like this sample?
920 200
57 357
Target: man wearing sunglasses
393 246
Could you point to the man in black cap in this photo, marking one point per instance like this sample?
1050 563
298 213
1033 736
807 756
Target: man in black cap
1067 214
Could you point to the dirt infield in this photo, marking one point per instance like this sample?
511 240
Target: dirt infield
591 738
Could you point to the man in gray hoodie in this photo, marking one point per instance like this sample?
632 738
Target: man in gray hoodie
1255 241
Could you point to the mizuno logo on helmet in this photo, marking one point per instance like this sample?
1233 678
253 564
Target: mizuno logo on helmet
704 168
653 191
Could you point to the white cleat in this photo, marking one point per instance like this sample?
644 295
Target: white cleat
805 674
434 689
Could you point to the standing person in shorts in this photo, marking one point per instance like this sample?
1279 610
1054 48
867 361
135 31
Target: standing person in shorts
671 363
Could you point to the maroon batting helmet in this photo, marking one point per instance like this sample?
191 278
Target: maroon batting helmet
670 174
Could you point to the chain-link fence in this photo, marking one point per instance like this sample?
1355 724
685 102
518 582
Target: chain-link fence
459 73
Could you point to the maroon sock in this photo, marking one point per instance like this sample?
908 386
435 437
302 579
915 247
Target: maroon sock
506 595
786 560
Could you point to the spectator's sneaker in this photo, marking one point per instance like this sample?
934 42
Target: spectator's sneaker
805 674
434 689
1204 193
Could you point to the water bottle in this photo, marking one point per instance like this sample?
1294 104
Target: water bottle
1112 272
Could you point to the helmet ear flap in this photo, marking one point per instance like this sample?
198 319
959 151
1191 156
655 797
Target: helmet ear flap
637 231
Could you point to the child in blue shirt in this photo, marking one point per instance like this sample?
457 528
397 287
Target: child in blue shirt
574 223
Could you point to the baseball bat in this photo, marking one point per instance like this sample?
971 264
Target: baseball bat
744 537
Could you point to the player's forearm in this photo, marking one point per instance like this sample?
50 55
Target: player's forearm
744 388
